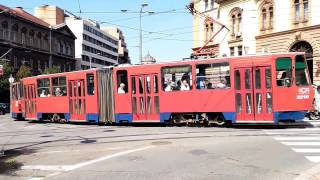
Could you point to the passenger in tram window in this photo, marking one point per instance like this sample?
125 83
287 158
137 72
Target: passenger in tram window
222 84
207 84
121 88
43 93
169 86
185 85
58 92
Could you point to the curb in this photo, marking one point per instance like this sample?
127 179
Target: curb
310 174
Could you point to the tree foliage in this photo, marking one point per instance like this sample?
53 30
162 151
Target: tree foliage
24 71
52 70
4 79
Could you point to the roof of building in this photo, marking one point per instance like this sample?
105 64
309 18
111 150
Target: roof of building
23 14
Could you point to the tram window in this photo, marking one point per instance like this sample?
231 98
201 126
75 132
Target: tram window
155 82
148 84
122 81
237 79
258 79
133 85
301 71
90 84
284 73
269 102
43 87
238 103
213 76
141 85
258 103
268 78
177 78
247 79
59 86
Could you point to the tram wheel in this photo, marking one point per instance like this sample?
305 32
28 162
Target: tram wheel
56 118
220 121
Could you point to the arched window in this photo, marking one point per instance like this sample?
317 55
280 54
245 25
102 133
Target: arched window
266 15
264 19
14 32
270 17
208 29
31 38
23 35
233 26
235 21
5 31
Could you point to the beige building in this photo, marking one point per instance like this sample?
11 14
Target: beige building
52 15
260 26
122 46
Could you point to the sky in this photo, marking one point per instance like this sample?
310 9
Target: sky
167 34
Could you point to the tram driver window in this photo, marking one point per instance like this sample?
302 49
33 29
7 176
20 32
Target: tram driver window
301 71
90 84
284 72
176 78
43 87
213 76
122 82
59 86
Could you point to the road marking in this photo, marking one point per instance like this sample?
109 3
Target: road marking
315 159
297 138
78 150
310 143
306 150
79 165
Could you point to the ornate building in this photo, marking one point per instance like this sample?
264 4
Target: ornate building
148 59
26 39
261 26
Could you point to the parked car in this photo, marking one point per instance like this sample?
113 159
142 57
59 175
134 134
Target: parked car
2 111
6 107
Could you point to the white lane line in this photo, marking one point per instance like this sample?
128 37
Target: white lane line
309 143
78 150
315 159
79 165
296 129
306 150
297 138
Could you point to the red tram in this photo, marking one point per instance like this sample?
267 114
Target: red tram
248 89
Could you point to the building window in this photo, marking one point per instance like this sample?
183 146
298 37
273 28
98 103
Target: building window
235 21
206 5
212 4
15 62
296 11
239 50
264 19
266 16
231 51
305 10
209 29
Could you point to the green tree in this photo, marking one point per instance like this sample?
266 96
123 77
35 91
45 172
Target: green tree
52 70
4 79
24 71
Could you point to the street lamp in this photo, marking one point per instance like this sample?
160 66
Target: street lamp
11 80
140 28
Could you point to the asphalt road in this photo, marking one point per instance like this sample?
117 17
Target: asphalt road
72 151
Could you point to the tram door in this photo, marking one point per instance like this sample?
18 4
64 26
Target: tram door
30 101
253 87
77 102
145 97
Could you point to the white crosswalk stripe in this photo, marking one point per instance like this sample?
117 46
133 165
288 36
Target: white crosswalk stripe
304 141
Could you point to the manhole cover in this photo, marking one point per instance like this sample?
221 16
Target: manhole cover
161 143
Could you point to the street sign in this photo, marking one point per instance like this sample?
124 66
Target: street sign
1 70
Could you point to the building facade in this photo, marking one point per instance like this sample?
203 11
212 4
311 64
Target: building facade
94 47
260 26
26 39
123 52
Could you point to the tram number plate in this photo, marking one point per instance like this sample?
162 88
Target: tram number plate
303 93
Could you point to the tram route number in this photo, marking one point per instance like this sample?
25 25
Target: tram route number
303 93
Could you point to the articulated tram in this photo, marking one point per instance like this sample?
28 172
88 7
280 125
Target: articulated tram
248 89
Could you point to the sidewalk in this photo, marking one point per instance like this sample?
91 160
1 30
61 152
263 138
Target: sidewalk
311 174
